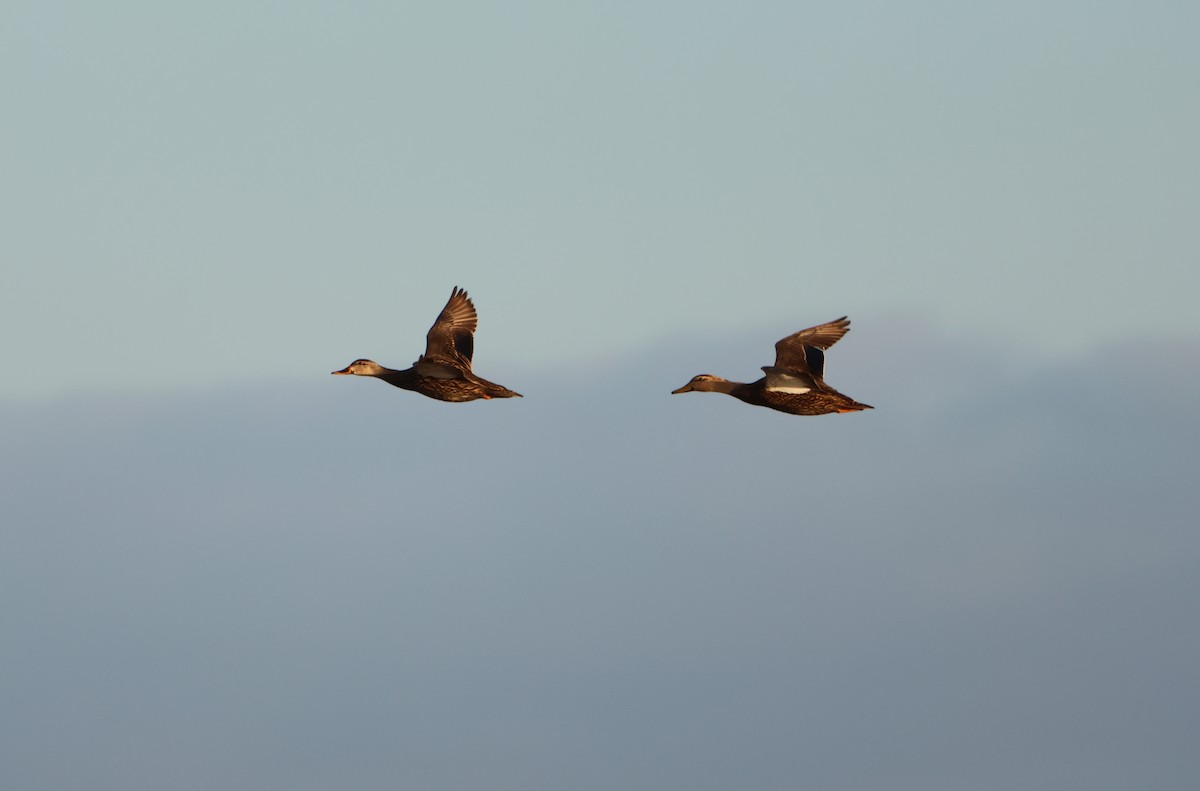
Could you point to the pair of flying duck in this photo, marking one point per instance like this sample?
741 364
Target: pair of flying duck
794 384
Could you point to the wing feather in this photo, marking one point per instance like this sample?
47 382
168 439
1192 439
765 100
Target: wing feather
804 351
451 339
783 380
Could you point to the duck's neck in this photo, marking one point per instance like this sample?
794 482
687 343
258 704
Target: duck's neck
405 379
750 392
718 386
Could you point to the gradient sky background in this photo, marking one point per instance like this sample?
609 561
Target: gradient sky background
224 568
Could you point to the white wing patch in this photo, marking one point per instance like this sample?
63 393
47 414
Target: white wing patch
780 380
435 370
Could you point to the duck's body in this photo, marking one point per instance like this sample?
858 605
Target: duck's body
468 387
795 384
759 394
443 372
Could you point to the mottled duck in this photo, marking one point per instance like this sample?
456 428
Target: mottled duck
444 370
795 383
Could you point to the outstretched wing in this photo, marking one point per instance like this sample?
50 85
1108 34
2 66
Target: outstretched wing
804 352
450 342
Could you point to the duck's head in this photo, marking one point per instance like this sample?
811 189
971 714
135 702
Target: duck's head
361 368
701 383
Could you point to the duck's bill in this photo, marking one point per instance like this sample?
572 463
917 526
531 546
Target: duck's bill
685 389
344 371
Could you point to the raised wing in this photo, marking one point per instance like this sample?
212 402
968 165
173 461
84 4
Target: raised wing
804 352
450 342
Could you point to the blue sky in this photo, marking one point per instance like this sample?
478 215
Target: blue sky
233 192
224 568
330 586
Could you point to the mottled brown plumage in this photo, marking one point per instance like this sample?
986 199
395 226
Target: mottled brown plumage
795 383
444 371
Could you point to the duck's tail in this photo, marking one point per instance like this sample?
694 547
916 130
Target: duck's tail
500 391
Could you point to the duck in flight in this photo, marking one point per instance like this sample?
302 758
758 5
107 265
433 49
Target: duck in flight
444 370
795 383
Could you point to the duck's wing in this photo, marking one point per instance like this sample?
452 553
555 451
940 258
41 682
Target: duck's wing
788 380
803 353
450 342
